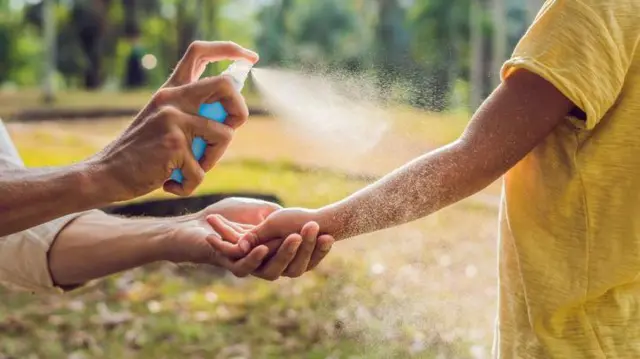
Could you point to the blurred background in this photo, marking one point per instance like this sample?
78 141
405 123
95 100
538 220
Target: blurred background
74 72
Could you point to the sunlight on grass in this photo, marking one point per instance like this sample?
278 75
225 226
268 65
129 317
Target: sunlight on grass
293 186
347 308
436 129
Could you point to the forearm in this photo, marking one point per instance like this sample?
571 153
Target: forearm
29 197
517 116
417 189
97 245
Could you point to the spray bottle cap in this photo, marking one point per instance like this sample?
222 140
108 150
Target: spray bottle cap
239 71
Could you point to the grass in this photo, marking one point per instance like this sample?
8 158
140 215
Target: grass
419 291
164 311
295 187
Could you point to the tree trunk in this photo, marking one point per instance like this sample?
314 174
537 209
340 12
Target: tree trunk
91 22
186 24
477 54
202 19
180 20
49 28
131 22
453 66
500 39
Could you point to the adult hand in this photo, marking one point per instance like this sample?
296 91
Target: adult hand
189 238
159 139
192 239
246 211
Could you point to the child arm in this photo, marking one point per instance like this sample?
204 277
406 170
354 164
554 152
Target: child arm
515 118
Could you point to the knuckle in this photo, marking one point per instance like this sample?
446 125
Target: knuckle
228 46
194 181
222 133
240 273
225 82
161 96
226 133
168 114
174 140
195 47
243 114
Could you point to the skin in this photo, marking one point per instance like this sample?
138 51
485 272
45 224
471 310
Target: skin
141 159
516 118
97 245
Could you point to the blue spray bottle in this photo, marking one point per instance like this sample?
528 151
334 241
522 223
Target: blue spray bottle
238 71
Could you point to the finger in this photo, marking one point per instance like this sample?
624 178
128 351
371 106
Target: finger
225 228
187 127
323 247
213 153
201 53
228 249
273 246
299 265
191 170
239 228
245 227
192 173
248 264
221 89
217 137
261 234
274 267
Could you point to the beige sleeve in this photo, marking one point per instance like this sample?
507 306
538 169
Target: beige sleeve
24 263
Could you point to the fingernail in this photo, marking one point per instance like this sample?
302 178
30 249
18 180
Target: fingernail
326 246
293 248
251 53
244 245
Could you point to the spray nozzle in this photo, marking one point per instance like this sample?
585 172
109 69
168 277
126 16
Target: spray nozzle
239 71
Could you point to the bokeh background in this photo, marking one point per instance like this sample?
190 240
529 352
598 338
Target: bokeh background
74 72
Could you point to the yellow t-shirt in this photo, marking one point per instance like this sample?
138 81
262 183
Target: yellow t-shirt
570 214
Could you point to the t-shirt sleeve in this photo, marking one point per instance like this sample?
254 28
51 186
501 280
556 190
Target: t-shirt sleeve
579 46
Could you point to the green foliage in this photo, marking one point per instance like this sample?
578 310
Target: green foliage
21 49
419 46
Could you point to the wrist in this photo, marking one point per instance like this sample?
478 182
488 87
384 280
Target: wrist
333 221
162 243
96 183
149 237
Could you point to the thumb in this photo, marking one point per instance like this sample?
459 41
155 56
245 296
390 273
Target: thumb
190 96
200 53
261 234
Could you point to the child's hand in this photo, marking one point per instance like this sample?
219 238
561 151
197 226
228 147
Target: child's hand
290 257
278 224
